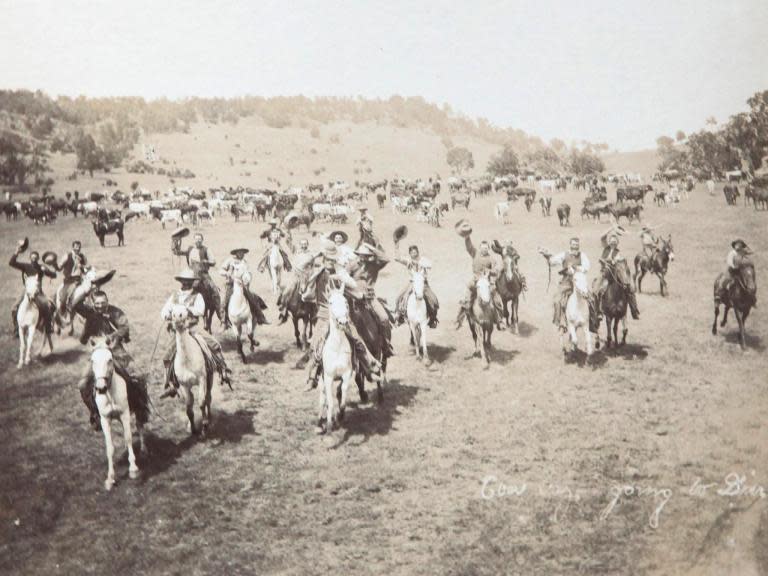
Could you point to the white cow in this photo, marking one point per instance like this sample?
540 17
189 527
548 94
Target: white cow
141 208
502 212
548 186
170 216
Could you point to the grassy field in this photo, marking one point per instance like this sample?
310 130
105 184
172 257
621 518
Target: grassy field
603 456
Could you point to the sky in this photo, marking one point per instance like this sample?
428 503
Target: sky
604 71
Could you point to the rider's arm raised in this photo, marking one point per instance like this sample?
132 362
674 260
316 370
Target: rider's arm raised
470 247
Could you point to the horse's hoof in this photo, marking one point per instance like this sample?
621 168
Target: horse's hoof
428 362
487 366
134 474
109 484
363 397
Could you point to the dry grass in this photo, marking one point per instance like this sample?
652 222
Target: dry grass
398 489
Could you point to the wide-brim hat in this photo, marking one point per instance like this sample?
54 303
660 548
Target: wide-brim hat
237 251
186 275
290 219
103 277
400 233
463 228
181 233
739 243
330 253
51 258
496 246
344 235
24 244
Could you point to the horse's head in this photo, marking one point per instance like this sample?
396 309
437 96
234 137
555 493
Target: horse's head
580 284
483 286
102 363
747 273
338 306
179 316
666 248
509 262
31 286
417 281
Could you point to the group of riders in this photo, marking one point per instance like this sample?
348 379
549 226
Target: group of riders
337 264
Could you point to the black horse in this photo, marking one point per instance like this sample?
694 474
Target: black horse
103 228
657 264
739 293
509 285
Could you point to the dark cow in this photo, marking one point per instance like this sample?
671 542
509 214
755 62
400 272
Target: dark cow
380 199
104 227
564 214
546 205
630 211
731 193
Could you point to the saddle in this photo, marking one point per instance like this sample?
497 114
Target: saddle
212 364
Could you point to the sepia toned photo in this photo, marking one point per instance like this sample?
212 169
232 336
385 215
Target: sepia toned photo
383 288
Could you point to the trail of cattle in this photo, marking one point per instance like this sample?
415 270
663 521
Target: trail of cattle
535 467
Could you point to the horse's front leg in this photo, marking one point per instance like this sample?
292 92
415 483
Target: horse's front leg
590 344
30 340
725 315
125 420
717 313
424 350
662 284
515 317
296 331
22 345
205 407
344 386
189 403
624 330
106 428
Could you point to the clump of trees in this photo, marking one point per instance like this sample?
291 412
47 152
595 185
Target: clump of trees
742 143
459 159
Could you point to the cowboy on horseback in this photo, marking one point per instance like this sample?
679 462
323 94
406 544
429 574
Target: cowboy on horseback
482 263
316 292
612 257
371 261
104 319
237 268
365 225
345 253
73 268
508 250
738 254
274 234
650 240
415 262
190 298
303 261
199 259
34 268
571 261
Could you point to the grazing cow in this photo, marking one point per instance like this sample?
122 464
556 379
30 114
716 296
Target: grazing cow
170 216
630 210
548 186
759 196
140 208
380 199
731 192
564 214
502 212
88 208
460 199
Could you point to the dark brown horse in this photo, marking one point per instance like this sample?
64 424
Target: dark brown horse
657 264
509 285
739 293
103 228
377 338
300 310
614 305
483 317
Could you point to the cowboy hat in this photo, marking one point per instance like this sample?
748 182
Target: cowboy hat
102 278
365 249
739 243
344 235
463 228
237 251
330 253
51 259
185 275
496 246
23 244
181 233
400 233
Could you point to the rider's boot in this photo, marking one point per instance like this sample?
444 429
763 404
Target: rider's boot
170 390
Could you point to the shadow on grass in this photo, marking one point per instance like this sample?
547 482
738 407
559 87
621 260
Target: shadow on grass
162 453
525 330
70 356
440 353
233 427
580 358
377 418
503 357
627 351
752 341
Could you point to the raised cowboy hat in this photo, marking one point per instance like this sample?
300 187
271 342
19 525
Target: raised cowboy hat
463 228
181 233
400 233
51 258
344 235
496 246
237 251
186 275
102 278
23 244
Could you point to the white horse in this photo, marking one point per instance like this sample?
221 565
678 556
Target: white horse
337 361
240 314
65 307
112 402
191 371
275 264
416 310
29 320
577 315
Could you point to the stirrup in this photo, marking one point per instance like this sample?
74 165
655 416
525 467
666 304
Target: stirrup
169 392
